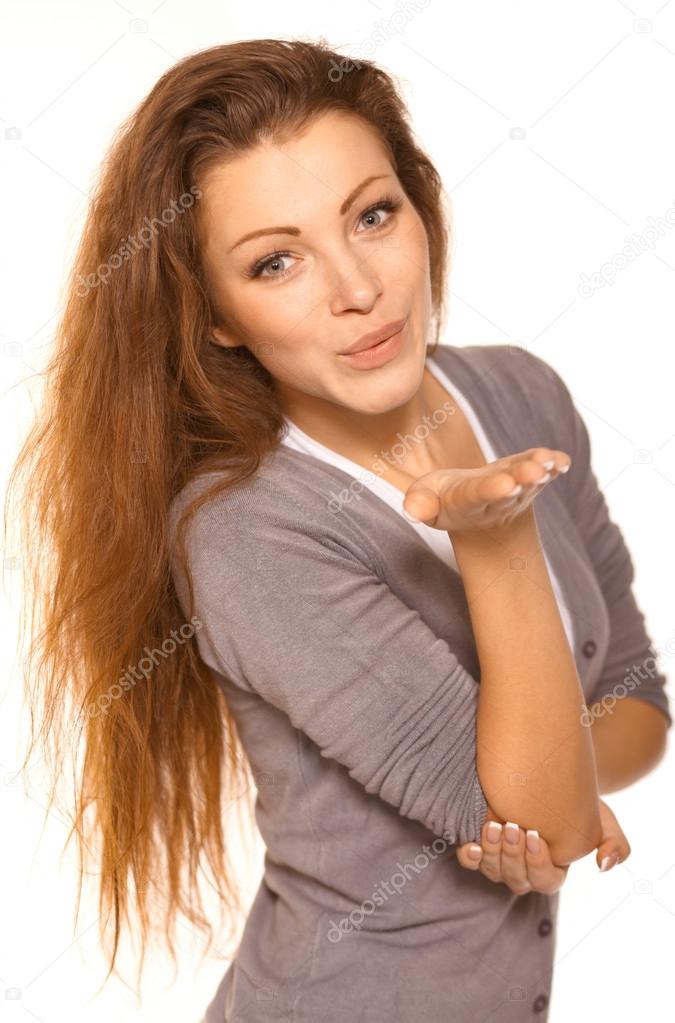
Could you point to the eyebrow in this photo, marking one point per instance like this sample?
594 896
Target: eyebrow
288 229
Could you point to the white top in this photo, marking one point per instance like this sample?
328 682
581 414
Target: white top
437 539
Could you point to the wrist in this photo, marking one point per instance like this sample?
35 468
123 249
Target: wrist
520 530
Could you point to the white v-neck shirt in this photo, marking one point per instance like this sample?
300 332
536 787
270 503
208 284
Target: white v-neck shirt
437 539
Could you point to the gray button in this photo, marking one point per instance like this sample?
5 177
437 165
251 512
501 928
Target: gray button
589 648
545 926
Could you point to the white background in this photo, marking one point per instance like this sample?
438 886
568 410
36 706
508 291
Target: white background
552 127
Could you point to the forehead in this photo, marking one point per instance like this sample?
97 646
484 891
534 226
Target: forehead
285 182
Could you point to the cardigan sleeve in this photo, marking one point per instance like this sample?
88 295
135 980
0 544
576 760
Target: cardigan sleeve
630 668
291 609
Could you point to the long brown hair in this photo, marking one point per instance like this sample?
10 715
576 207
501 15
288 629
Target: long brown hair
138 401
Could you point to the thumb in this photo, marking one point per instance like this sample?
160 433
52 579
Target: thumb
469 862
421 504
612 850
607 855
614 847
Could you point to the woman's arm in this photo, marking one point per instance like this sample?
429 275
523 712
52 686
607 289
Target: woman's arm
629 742
523 867
629 732
535 757
292 608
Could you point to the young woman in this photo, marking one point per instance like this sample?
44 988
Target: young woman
288 529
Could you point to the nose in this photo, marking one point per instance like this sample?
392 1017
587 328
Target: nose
356 283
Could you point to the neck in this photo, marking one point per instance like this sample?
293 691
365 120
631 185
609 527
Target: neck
363 437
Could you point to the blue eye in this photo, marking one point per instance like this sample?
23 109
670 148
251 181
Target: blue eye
256 270
388 203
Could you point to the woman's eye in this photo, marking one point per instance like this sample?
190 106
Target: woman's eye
374 213
272 261
389 205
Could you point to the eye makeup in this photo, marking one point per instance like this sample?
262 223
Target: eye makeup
389 203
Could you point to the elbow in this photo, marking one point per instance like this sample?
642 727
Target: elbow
660 749
572 844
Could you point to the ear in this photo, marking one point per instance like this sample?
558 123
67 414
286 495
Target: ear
223 338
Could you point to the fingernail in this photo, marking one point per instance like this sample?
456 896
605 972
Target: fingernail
549 464
532 841
608 862
516 491
475 852
564 468
544 479
511 833
494 831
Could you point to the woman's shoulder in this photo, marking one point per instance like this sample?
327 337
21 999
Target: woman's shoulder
523 369
513 380
291 495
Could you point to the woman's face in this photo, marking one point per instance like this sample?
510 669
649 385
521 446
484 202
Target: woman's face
331 261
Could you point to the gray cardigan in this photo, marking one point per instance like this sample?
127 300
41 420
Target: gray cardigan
344 648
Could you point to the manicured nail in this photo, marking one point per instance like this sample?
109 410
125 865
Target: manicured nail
549 464
564 468
494 831
532 841
516 491
608 862
544 479
475 852
511 833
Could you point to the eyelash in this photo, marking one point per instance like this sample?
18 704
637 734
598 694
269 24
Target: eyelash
388 202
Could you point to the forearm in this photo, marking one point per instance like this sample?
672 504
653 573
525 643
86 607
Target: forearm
629 742
535 757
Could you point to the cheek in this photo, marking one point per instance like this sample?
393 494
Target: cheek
295 366
285 317
420 247
263 316
407 252
278 329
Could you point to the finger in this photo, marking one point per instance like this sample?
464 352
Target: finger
551 459
530 473
532 487
612 852
538 468
491 843
545 876
466 857
528 469
474 494
514 868
477 489
504 489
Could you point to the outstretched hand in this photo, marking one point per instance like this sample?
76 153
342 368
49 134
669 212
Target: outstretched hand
490 497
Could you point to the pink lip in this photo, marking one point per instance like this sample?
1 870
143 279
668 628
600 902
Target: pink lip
377 355
373 337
